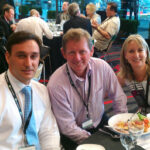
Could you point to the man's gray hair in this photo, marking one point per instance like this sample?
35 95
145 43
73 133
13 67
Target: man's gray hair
73 9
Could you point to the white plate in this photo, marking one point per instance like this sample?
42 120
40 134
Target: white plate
120 117
148 115
90 147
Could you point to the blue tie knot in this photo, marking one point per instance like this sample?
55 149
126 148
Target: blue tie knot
26 90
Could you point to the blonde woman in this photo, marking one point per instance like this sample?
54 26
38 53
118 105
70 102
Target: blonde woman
135 69
91 13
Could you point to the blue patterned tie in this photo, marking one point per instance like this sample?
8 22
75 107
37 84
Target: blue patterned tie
31 133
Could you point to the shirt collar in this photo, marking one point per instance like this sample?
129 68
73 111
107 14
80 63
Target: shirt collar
16 84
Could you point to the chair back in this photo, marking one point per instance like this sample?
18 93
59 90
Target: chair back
45 59
3 62
111 42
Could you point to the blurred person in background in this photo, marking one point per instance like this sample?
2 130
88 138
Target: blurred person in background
133 5
3 2
64 16
106 30
124 7
35 25
92 15
7 27
75 20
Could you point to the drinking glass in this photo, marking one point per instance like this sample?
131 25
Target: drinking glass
58 27
126 141
136 129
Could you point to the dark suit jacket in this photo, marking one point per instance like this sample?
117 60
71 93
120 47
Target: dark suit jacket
3 2
78 22
5 29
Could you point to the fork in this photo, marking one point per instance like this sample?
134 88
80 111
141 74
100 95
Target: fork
139 110
113 136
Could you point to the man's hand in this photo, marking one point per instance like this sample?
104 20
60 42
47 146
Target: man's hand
100 30
13 27
95 24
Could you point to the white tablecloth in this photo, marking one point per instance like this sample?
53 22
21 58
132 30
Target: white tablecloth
144 141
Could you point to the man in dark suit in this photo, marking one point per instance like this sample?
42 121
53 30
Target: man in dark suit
75 20
6 28
3 2
6 21
63 16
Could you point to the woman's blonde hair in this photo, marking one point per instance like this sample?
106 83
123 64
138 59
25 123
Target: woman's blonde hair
126 70
92 7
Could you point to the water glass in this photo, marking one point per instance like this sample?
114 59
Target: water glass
58 27
136 129
126 141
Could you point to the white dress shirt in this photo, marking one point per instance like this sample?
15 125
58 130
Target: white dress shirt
35 25
11 131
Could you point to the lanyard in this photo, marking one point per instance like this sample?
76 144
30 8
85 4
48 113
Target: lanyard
108 19
147 90
73 85
24 125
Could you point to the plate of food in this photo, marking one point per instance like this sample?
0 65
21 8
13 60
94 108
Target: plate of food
90 147
119 122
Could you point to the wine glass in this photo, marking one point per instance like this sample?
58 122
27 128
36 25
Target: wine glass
136 129
126 141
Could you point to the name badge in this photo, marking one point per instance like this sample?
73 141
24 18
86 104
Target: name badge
87 124
27 148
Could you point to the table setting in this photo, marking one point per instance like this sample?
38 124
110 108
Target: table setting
57 29
126 131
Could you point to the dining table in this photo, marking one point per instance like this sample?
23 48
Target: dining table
55 45
109 143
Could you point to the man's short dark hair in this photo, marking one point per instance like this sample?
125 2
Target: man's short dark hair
6 7
113 6
20 37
